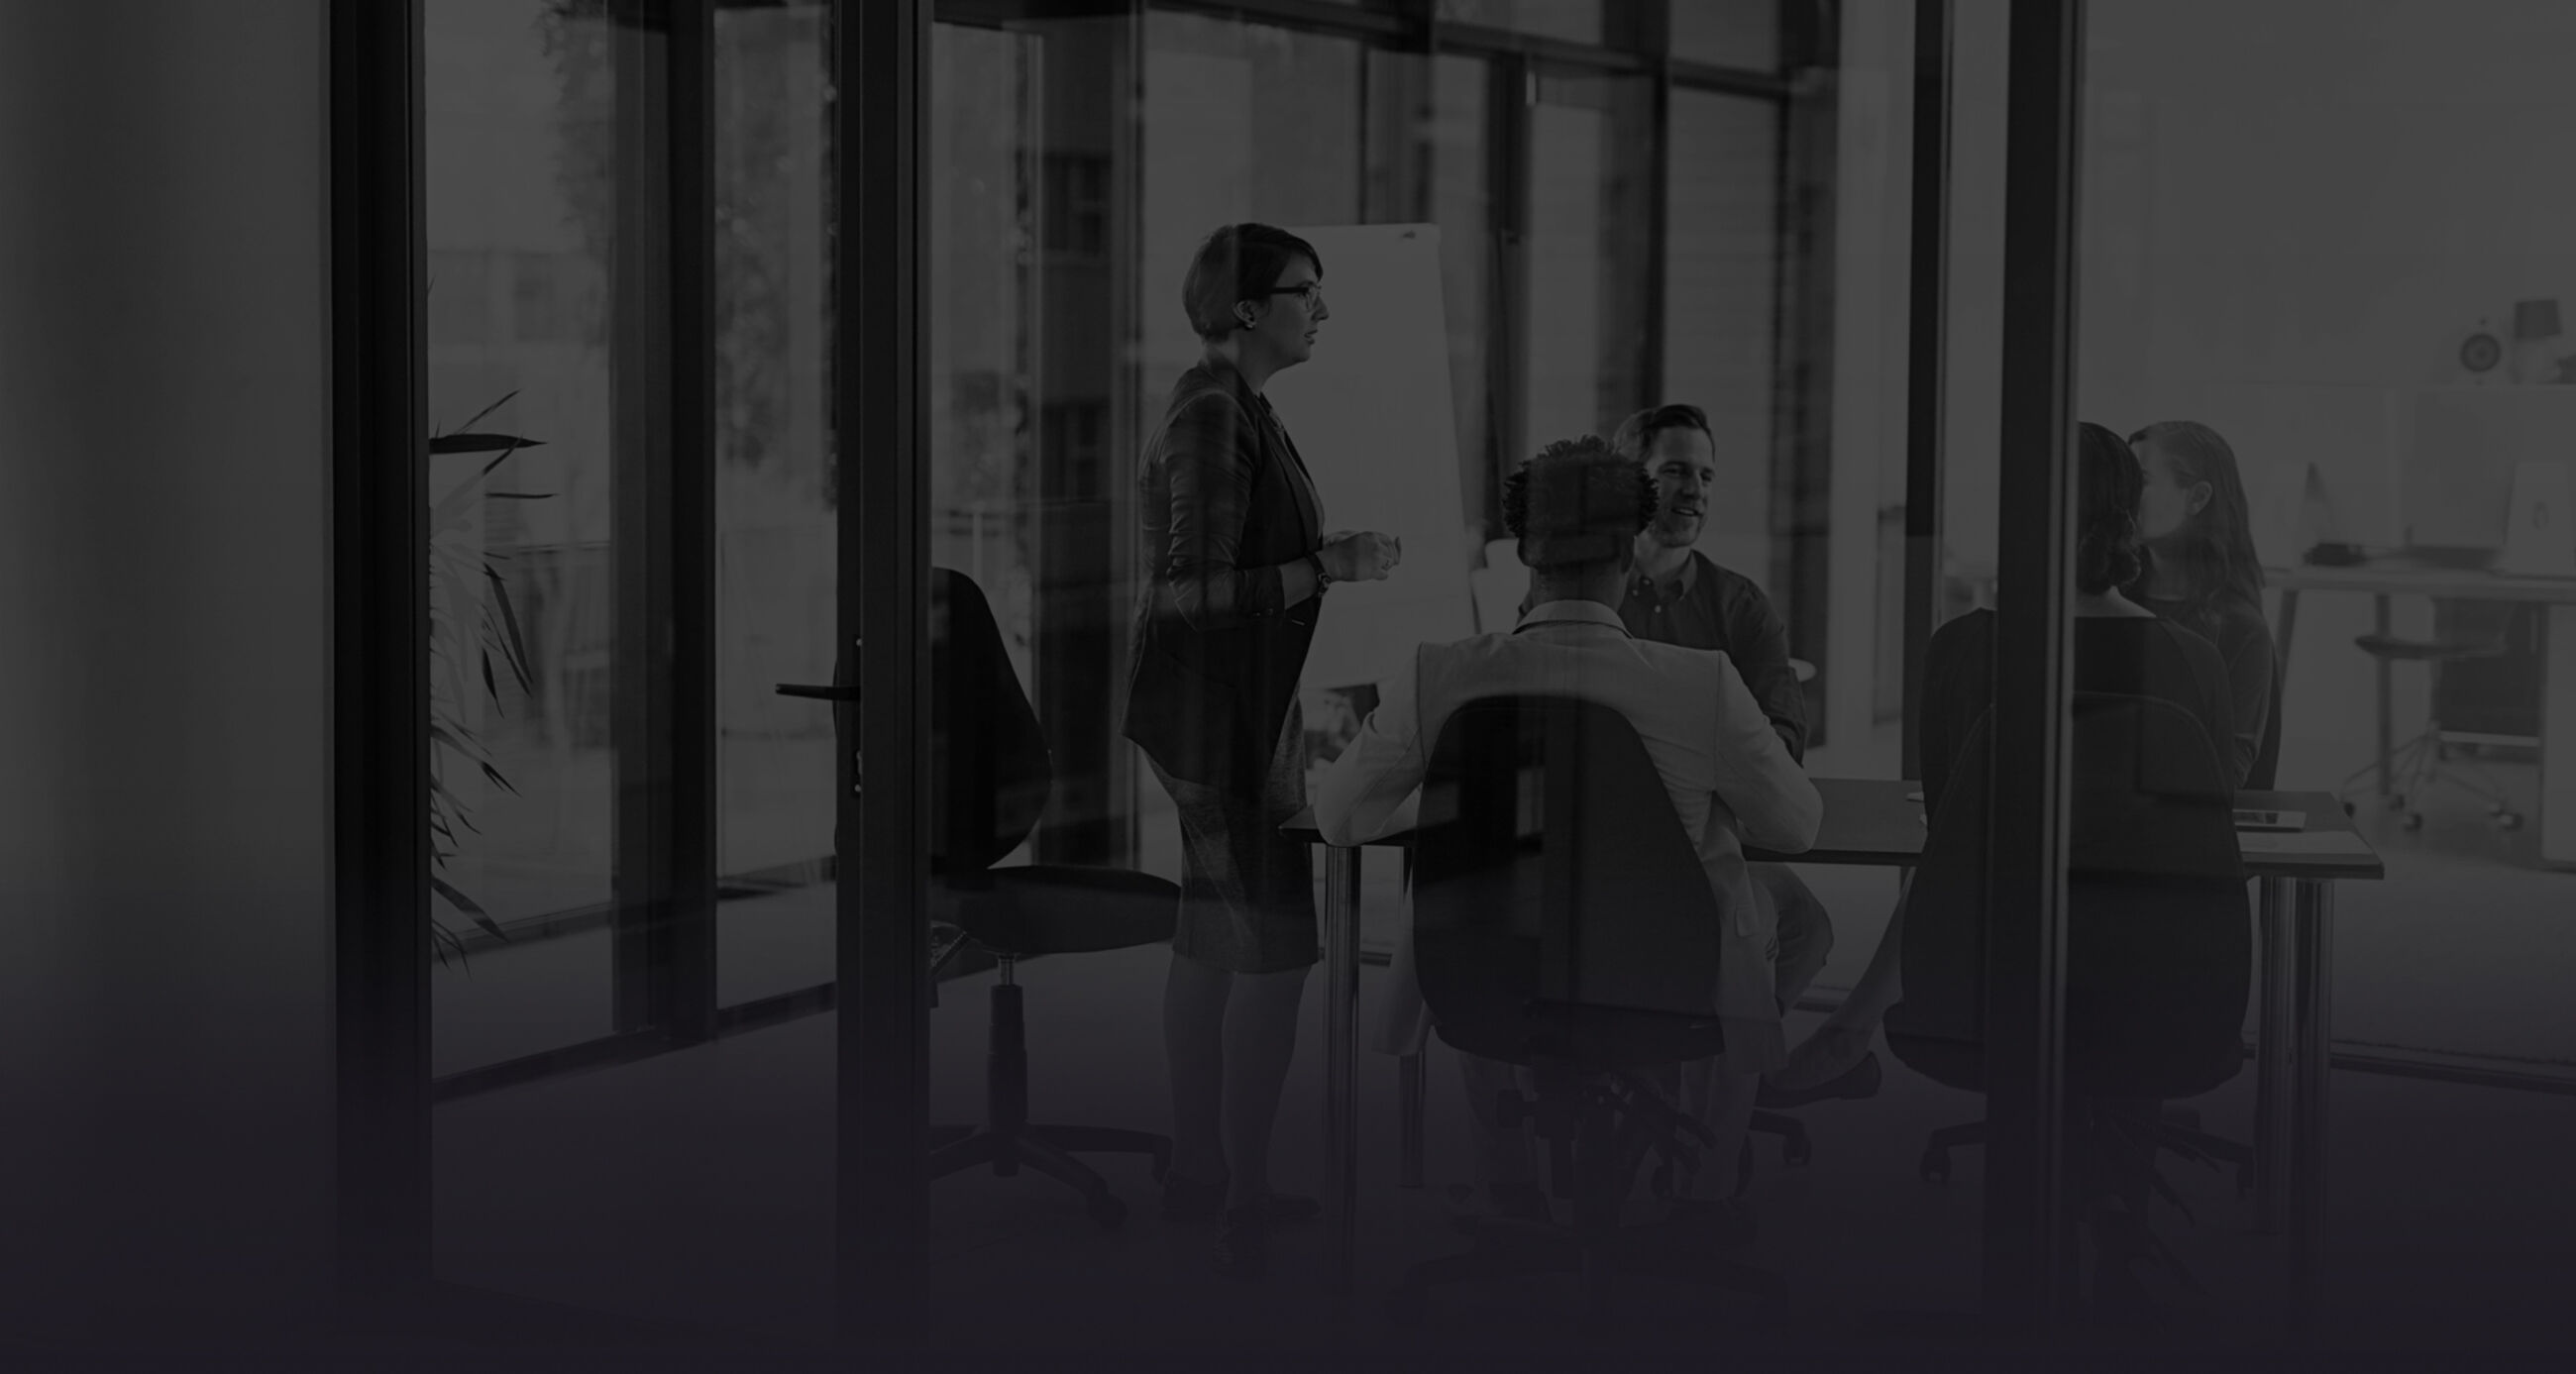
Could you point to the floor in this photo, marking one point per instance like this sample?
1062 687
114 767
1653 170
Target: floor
696 1187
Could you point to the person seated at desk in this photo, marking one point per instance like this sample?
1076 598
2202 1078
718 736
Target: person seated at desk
2119 646
1679 595
1577 509
2201 573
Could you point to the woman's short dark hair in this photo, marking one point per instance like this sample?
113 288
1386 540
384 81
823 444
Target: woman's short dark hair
2108 482
1240 262
1575 505
1637 433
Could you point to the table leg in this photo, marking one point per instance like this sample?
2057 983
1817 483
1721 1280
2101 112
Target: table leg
1341 922
1409 1098
2379 673
2289 626
2275 1059
2313 972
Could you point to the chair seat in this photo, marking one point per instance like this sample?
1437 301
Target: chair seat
2397 649
1062 909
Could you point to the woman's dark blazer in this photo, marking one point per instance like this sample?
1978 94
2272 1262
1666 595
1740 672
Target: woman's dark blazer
1224 500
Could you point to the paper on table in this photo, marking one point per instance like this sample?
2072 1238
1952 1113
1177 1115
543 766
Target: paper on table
2304 842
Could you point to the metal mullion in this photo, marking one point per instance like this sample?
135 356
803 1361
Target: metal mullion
2028 1241
1507 143
1656 39
1310 16
882 960
1802 328
661 380
687 940
380 636
1927 377
1492 42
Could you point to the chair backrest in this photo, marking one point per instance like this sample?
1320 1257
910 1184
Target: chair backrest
2267 755
1551 866
2159 939
989 770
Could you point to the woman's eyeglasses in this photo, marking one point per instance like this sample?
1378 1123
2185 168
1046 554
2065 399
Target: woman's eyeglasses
1312 293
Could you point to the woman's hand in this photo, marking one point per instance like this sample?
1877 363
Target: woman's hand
1366 556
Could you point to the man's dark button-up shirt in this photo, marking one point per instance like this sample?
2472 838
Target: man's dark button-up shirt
1714 608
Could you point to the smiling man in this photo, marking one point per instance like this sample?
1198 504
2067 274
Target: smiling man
1678 595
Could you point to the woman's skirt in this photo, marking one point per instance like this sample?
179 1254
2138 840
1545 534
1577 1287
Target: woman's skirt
1247 891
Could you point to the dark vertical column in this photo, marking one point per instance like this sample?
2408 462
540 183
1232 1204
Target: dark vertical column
662 489
1803 344
1653 36
380 629
2028 1242
883 933
1513 92
1927 339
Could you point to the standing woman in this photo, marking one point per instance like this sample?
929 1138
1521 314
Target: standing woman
1236 570
2201 573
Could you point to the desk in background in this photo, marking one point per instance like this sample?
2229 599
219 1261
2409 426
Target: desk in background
2555 816
1871 822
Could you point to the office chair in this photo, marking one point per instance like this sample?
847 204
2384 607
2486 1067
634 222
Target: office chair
2159 954
990 780
2460 635
1562 923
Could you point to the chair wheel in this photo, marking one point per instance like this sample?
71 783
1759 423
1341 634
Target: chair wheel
1107 1211
1797 1152
2508 820
2347 810
1935 1165
2414 820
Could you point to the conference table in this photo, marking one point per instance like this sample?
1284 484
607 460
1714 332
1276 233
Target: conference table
1879 823
2397 575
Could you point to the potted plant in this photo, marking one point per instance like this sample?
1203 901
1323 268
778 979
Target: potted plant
473 635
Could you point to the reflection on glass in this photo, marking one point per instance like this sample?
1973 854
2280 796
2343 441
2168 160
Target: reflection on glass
1722 297
522 166
1586 262
776 530
2355 331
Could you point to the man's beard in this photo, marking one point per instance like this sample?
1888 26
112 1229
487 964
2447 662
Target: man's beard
1675 533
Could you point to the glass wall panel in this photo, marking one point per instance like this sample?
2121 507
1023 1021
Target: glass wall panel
776 528
586 1154
2322 282
1584 355
1723 294
523 160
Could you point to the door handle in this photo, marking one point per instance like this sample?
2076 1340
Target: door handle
803 689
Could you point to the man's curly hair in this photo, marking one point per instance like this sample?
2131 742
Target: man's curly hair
1576 502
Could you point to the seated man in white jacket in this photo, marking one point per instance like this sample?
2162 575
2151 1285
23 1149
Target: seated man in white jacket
1576 509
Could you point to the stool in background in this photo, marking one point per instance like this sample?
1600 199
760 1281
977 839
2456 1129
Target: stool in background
2460 636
